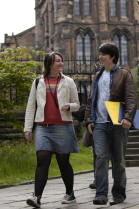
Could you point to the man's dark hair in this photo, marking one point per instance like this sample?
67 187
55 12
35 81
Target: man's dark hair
110 49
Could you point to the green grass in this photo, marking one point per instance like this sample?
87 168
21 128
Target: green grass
135 75
18 161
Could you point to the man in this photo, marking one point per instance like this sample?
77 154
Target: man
111 83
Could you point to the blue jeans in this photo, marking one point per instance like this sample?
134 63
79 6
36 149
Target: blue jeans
109 138
94 155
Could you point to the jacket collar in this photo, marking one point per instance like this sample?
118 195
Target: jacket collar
62 76
113 69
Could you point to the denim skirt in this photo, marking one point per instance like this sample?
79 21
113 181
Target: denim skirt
59 138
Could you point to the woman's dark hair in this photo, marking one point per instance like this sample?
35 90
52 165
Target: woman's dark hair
110 49
48 61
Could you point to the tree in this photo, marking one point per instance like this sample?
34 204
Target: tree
18 69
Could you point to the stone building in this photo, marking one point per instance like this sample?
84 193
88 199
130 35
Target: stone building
76 28
25 38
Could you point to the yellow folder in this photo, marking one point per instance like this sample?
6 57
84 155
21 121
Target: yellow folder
113 110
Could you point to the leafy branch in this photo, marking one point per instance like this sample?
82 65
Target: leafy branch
18 69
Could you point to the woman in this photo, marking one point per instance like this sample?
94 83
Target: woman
56 97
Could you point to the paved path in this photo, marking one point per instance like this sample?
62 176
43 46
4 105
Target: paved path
15 197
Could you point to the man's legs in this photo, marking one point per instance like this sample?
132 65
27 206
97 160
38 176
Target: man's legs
102 144
94 155
93 185
119 137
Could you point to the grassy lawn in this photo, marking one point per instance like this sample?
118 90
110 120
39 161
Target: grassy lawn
134 73
18 161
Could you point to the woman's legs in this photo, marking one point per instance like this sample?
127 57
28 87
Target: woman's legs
66 171
43 163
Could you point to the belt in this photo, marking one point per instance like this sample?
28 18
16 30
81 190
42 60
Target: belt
43 124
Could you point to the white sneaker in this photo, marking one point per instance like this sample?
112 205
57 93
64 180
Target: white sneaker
34 201
67 199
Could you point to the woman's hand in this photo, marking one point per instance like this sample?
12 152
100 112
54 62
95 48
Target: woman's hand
90 127
126 123
65 107
28 135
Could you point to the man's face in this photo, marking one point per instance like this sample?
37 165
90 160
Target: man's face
105 59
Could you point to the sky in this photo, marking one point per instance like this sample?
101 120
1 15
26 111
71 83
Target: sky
16 16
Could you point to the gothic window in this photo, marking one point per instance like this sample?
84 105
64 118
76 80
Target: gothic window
77 7
124 50
79 47
117 42
123 8
87 7
87 47
121 43
84 48
113 7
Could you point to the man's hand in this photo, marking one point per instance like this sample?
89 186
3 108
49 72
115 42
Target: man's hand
126 123
89 128
28 135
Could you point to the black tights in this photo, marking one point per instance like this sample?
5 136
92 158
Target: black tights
43 163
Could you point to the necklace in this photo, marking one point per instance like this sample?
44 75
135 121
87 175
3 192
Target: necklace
52 78
54 96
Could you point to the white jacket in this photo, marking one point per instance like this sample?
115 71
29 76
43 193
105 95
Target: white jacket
66 94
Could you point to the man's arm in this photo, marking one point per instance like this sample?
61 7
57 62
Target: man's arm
130 98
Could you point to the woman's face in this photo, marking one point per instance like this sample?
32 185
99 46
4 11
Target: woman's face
57 66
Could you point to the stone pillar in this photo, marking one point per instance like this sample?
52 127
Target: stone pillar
64 27
38 29
103 26
102 11
136 10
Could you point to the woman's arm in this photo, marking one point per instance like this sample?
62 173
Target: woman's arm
30 109
74 100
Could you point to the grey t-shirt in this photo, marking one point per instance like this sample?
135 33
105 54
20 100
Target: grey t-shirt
103 95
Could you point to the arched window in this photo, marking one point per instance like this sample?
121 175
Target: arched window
117 42
79 47
123 8
87 47
121 43
124 50
77 7
87 7
113 7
